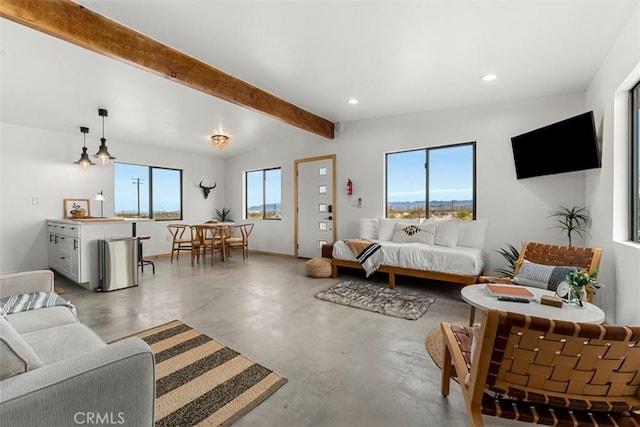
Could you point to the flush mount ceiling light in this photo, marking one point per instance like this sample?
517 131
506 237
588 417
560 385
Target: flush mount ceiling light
84 161
220 141
103 153
489 77
353 101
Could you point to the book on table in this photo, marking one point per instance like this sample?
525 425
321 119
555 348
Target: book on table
508 291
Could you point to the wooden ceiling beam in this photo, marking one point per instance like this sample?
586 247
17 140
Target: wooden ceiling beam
76 24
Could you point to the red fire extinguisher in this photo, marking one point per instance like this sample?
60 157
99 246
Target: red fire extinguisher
349 188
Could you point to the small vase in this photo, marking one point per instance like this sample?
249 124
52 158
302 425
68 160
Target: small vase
578 296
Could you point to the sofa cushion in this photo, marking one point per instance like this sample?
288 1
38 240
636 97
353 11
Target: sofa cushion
422 233
16 356
387 227
369 228
42 318
541 276
472 233
447 233
55 344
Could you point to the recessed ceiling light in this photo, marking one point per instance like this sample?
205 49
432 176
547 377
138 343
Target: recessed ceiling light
489 77
353 101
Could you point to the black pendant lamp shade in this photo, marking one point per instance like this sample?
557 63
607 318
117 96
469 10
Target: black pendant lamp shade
103 153
84 161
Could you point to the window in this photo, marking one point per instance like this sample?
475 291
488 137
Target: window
635 164
140 190
263 193
438 182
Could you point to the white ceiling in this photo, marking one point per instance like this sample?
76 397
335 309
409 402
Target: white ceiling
395 57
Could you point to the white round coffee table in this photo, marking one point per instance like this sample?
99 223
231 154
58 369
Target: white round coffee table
477 297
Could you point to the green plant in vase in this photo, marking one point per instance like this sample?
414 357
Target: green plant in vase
223 215
577 285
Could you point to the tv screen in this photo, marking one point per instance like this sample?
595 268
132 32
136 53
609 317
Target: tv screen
566 146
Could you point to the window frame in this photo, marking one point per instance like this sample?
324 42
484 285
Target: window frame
264 193
634 164
149 178
427 151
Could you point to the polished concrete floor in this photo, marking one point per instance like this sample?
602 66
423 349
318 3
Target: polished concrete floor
346 367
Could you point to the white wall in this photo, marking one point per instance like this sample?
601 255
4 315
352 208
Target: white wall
38 163
517 209
607 190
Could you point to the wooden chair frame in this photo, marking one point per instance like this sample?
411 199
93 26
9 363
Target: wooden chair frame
239 242
545 371
178 241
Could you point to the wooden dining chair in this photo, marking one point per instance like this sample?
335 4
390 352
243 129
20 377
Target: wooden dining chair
179 242
241 241
545 371
206 239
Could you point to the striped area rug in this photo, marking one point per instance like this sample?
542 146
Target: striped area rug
199 381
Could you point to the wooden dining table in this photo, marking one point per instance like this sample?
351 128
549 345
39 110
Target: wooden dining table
216 226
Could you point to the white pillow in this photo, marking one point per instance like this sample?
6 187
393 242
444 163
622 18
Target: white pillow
368 228
16 356
447 233
421 233
387 227
472 233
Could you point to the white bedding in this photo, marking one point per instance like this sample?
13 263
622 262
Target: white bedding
419 256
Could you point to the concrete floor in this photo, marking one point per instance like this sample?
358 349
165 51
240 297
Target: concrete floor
346 367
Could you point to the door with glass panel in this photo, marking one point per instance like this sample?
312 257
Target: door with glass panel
315 205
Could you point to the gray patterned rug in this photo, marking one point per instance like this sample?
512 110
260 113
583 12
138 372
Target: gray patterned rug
379 299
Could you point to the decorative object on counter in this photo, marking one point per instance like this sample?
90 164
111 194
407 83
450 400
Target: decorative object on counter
101 199
219 141
76 208
575 220
103 153
84 161
207 190
576 285
224 215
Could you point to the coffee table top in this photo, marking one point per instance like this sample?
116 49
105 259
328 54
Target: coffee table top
477 296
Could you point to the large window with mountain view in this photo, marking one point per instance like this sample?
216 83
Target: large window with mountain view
147 192
635 164
263 192
434 182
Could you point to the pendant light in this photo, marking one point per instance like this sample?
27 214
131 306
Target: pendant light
84 161
103 153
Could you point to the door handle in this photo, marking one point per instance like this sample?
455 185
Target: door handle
329 217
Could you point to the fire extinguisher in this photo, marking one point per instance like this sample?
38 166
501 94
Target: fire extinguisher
349 188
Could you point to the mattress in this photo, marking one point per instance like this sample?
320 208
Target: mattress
420 256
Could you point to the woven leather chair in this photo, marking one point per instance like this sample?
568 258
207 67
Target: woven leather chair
546 372
542 253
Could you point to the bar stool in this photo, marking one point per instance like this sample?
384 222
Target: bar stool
141 261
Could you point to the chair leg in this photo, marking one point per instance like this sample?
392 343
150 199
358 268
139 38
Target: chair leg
445 380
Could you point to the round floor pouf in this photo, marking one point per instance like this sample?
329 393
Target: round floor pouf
318 267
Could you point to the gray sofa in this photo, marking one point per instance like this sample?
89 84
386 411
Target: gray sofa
57 372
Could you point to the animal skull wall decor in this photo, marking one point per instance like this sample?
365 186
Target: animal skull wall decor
207 190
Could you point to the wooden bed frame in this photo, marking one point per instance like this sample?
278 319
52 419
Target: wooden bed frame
392 271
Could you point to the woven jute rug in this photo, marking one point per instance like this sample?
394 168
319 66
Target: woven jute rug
379 299
435 344
200 381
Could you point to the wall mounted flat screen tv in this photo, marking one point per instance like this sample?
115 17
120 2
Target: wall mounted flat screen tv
566 146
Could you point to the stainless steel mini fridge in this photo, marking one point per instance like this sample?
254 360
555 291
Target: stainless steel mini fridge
118 263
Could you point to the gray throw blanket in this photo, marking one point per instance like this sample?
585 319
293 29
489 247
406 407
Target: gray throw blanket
368 253
33 301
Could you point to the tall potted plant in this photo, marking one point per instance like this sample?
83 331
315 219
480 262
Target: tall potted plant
575 220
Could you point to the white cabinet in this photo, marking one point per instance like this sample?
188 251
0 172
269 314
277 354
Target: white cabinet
72 247
63 249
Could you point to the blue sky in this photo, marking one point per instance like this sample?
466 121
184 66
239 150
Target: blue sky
450 174
166 183
273 187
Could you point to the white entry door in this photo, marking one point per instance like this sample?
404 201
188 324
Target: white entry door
315 210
